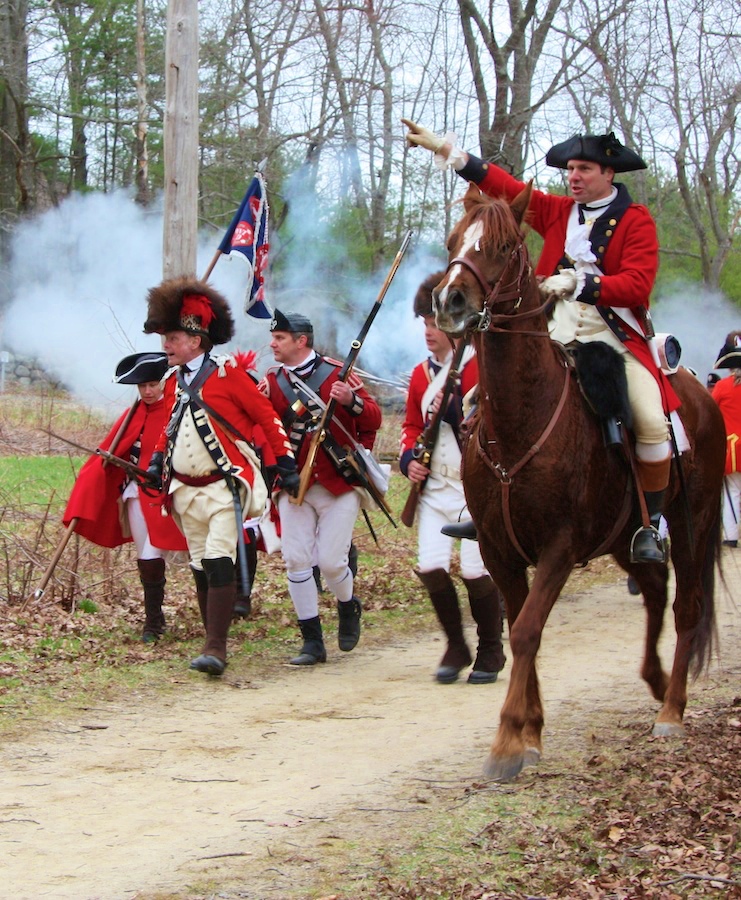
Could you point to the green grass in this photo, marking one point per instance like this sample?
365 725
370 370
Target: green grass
35 480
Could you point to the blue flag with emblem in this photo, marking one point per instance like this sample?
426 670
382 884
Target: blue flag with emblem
248 236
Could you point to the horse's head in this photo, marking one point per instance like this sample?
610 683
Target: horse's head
484 250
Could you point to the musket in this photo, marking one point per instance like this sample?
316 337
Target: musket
39 592
426 445
326 417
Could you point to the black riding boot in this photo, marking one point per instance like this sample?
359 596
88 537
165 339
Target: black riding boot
486 609
243 602
461 530
152 576
444 599
646 544
313 650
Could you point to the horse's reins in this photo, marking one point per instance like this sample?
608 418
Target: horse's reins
502 292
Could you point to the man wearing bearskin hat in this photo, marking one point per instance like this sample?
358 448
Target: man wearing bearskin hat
727 394
441 502
320 530
204 455
598 263
100 489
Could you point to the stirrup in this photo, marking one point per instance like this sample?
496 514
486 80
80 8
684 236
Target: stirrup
461 530
647 546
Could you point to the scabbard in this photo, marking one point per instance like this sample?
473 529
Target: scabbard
244 575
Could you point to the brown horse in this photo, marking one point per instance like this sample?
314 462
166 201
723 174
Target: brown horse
543 489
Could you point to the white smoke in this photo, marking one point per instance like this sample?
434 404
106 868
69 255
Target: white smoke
80 274
699 319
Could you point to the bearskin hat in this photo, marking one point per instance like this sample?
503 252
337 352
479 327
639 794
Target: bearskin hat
423 297
186 304
729 356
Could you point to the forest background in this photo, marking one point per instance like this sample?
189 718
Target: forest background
313 92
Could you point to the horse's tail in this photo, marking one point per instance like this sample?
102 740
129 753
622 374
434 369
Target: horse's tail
705 635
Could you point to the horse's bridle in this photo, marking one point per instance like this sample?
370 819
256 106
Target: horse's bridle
502 291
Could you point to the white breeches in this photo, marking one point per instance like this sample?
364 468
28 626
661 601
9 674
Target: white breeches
443 503
207 518
139 530
731 504
319 532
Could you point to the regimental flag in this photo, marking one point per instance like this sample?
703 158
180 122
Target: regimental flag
248 236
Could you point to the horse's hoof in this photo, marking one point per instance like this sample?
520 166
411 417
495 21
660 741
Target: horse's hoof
668 729
507 769
531 757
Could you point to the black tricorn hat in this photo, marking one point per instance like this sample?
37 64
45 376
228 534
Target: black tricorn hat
292 322
423 297
603 149
730 353
139 368
186 304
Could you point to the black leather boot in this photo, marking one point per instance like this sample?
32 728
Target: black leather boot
646 545
461 530
313 650
444 599
486 609
152 576
348 628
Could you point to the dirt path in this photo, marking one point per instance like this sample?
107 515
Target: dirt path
243 778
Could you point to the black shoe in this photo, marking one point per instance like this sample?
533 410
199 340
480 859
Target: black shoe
210 665
647 546
476 676
309 656
462 530
447 674
348 629
730 543
150 637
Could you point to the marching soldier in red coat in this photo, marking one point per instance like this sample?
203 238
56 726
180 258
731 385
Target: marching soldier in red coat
205 456
320 530
727 394
441 503
101 490
599 263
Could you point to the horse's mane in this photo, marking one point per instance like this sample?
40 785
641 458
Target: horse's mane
500 227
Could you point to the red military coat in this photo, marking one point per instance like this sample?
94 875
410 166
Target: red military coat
727 394
97 489
629 259
414 422
231 393
362 427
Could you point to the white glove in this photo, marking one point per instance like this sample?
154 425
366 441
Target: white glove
559 287
419 136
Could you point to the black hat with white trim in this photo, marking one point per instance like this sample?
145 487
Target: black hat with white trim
140 368
730 353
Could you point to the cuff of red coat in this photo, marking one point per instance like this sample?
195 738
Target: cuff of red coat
406 457
474 170
592 290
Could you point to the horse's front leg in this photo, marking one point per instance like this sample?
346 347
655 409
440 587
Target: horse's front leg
519 738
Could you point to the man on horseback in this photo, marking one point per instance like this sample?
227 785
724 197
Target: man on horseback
599 264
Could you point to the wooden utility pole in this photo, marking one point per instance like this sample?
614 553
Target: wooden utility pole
181 139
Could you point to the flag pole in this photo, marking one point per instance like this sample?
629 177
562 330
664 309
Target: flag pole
211 265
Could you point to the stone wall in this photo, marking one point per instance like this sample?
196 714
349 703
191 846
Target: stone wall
25 372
